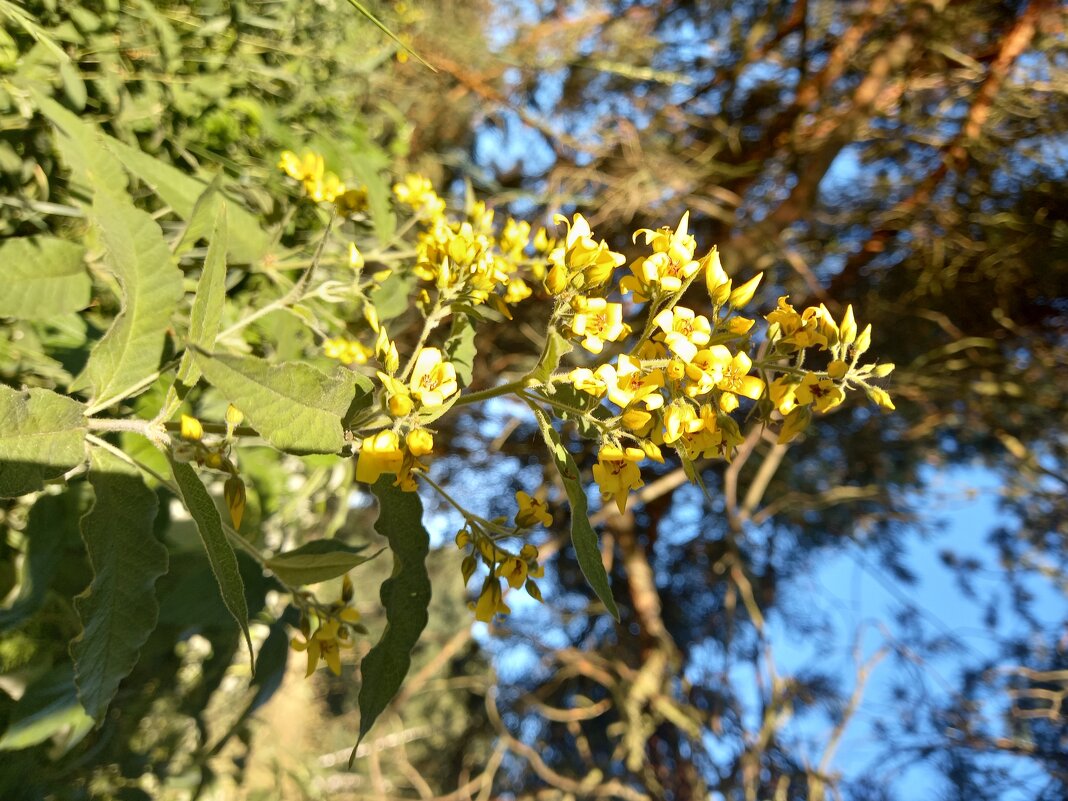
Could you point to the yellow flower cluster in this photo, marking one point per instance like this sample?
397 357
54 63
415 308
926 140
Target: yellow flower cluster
479 538
679 382
321 184
326 631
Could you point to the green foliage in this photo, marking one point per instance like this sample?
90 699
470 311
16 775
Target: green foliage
43 277
294 406
206 312
405 597
41 437
119 609
220 553
583 537
316 561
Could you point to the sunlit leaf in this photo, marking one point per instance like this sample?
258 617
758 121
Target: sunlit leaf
292 405
151 286
460 347
583 537
207 308
41 437
42 277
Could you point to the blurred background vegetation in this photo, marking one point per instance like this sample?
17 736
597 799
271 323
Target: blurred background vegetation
909 158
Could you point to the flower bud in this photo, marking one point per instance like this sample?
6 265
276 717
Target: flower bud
719 285
420 442
883 370
191 428
848 328
863 341
346 589
880 397
556 280
837 369
532 590
355 257
234 494
467 568
400 404
795 422
743 294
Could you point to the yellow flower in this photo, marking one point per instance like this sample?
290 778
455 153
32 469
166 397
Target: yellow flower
308 167
191 428
532 511
490 601
326 187
822 393
433 380
597 321
617 473
670 265
418 194
782 392
588 381
346 351
684 331
583 260
379 454
679 418
628 384
737 381
517 291
513 570
705 370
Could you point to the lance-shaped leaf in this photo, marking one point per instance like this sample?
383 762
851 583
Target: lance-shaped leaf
48 708
119 609
460 347
207 308
151 287
220 554
52 522
83 149
41 437
247 243
293 406
320 560
583 537
42 277
405 597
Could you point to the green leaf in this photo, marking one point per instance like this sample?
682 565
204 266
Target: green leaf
83 148
556 347
379 194
119 609
460 347
583 537
42 277
320 560
220 554
207 308
50 525
390 298
151 285
247 242
405 597
41 437
203 218
47 708
292 405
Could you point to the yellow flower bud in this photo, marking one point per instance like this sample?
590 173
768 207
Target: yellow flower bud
392 360
883 370
399 405
370 314
863 341
467 568
355 257
848 329
234 493
233 416
420 442
532 590
556 280
743 294
837 369
881 398
716 279
191 428
795 422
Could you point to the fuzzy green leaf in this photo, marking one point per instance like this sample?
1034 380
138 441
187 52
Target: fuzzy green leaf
556 347
319 560
41 437
390 298
405 597
247 241
460 347
119 609
151 285
84 150
207 308
42 277
583 537
294 406
220 553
